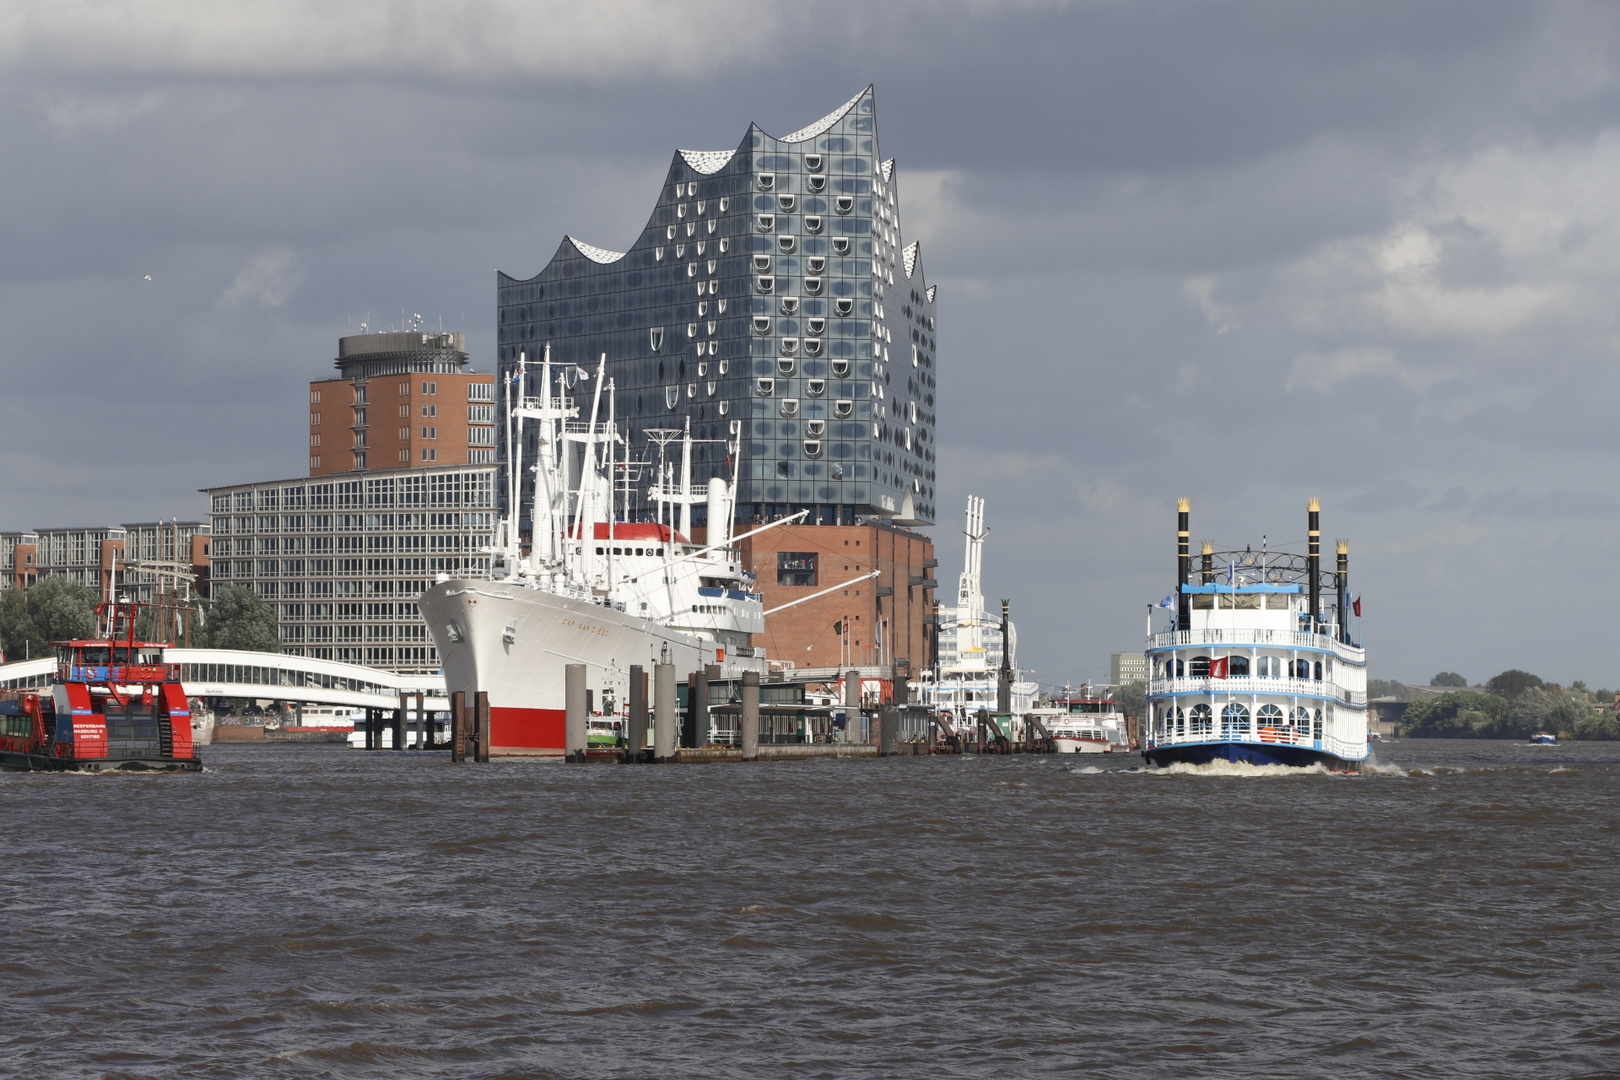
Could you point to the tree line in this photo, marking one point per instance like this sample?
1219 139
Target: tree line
1512 705
58 609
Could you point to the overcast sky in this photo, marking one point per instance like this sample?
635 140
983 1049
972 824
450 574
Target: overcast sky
1242 252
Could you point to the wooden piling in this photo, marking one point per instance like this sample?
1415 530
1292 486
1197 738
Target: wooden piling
481 726
697 709
458 726
636 741
750 716
664 712
576 728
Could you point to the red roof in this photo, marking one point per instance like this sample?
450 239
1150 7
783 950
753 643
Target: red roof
639 530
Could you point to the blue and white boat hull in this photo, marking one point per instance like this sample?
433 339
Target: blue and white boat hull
1247 753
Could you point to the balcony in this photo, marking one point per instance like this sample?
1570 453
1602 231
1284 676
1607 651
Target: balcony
1284 639
1247 685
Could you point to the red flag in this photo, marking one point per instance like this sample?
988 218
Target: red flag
1355 606
1217 668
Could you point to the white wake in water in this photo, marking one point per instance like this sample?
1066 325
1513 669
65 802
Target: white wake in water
1241 769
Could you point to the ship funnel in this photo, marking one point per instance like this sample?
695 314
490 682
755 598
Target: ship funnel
1208 570
1183 558
1342 581
1313 559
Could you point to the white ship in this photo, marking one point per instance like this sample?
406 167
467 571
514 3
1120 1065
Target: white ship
973 643
1084 724
1254 666
592 589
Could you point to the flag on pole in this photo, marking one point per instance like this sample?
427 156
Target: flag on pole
1218 668
1169 601
1356 607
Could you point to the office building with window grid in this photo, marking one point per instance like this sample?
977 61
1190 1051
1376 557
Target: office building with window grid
772 295
343 557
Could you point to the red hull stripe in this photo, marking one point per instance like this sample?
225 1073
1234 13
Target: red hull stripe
530 729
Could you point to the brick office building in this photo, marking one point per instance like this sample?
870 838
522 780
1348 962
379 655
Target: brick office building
885 620
402 400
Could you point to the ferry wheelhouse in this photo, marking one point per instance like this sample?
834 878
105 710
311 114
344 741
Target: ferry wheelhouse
1254 666
112 705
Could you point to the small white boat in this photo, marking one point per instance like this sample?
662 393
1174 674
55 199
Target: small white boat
1544 738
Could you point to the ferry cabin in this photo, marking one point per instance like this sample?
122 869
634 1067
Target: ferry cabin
1248 680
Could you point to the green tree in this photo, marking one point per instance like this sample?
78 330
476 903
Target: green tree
237 619
1448 678
1378 688
1512 682
1460 714
1132 697
54 609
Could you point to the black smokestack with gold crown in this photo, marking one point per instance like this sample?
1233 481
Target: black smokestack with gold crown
1342 580
1183 565
1208 570
1313 559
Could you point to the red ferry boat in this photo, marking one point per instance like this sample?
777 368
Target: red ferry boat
112 705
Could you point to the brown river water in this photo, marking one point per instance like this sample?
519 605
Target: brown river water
324 912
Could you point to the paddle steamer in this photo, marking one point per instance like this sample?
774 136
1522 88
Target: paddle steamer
1254 666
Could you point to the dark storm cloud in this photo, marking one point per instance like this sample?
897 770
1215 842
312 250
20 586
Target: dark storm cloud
1246 252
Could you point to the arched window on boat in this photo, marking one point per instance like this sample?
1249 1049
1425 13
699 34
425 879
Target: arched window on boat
1235 719
1302 669
1200 667
1237 665
1316 725
1203 720
1302 718
1268 667
1269 716
1319 671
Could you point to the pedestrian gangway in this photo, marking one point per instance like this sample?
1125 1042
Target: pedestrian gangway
238 673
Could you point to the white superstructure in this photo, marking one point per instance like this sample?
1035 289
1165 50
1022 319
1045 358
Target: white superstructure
971 644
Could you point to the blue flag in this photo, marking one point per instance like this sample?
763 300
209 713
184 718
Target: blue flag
1169 601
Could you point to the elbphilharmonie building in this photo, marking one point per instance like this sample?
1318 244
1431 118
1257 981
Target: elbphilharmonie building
772 298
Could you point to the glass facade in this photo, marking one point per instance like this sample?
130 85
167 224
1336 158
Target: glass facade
769 298
343 558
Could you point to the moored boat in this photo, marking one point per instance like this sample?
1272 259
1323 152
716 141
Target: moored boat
1255 667
590 588
1544 738
112 705
1083 724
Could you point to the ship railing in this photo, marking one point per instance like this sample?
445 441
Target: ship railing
1278 735
118 673
1246 685
1300 639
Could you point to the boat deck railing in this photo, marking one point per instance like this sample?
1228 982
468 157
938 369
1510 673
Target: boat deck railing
1278 736
1286 639
1254 685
